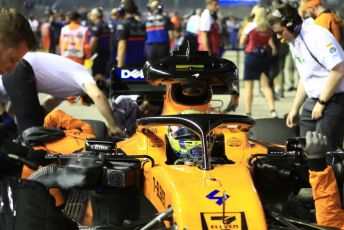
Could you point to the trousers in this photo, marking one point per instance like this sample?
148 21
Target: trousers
330 124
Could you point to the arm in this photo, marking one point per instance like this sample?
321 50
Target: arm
2 107
335 78
323 182
60 119
122 46
87 47
273 47
300 97
93 43
243 39
326 198
204 39
50 103
103 106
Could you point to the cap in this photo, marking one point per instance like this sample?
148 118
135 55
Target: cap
311 3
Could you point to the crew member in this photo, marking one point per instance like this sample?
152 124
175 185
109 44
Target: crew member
54 75
130 37
323 17
74 40
159 31
320 63
209 38
100 44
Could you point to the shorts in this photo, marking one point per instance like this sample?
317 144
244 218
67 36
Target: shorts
255 65
156 51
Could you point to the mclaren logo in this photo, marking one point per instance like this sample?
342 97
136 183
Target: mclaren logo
132 74
196 75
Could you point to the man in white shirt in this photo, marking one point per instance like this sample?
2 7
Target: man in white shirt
14 43
209 38
192 28
320 63
54 75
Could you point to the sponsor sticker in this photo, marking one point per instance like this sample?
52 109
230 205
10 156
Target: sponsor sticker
227 220
220 198
133 74
333 50
234 142
329 44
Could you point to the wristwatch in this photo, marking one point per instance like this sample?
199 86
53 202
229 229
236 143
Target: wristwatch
321 102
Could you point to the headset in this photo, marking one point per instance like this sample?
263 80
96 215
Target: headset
99 12
288 18
159 8
122 8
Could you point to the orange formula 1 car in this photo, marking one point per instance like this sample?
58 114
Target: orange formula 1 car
193 170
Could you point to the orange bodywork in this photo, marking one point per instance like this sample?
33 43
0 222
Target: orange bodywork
195 194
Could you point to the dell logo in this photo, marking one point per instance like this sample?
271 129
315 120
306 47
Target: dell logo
132 74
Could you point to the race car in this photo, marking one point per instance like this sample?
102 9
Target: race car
190 170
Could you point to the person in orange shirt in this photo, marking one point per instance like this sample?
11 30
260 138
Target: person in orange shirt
323 182
76 132
74 40
323 17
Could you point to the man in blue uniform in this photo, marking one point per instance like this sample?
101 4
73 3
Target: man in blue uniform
130 37
100 44
159 32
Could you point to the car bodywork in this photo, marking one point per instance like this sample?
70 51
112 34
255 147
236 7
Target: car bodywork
227 187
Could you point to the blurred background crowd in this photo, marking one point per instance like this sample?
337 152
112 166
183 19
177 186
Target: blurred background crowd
101 19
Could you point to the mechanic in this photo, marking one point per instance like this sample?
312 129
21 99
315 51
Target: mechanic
323 182
16 38
320 63
127 109
74 38
209 38
323 17
54 75
100 44
75 134
130 37
159 32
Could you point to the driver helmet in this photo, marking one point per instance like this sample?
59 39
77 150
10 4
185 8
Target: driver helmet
183 141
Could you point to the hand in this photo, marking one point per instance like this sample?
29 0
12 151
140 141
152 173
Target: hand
317 111
316 145
292 118
115 131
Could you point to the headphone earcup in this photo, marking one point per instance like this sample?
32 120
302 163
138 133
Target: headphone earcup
160 9
121 11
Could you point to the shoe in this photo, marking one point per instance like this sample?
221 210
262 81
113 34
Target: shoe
274 114
280 94
276 97
291 88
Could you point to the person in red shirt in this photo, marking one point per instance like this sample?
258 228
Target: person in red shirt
209 38
257 40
